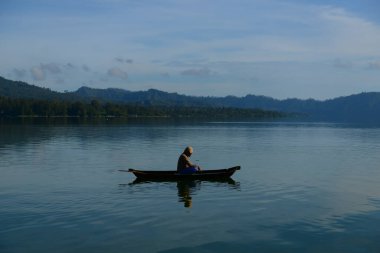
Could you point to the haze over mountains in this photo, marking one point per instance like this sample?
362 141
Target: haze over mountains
359 107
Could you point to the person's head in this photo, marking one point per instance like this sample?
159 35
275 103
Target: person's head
188 151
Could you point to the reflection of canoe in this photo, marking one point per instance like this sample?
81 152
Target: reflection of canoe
174 175
226 180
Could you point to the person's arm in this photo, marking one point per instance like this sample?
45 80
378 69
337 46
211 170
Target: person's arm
188 162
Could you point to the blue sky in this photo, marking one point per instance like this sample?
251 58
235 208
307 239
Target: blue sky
280 48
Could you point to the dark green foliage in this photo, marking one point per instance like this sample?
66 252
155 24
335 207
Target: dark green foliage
54 108
117 102
17 89
22 99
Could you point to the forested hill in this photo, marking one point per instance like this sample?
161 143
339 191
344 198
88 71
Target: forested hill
149 97
359 107
17 89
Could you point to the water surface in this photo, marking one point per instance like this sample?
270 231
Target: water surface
303 187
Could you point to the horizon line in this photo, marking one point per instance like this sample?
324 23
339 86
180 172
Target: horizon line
203 96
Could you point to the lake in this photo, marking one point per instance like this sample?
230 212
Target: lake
302 187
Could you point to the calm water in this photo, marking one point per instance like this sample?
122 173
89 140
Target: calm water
303 187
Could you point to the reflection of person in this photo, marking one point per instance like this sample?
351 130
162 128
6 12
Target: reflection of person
184 192
184 165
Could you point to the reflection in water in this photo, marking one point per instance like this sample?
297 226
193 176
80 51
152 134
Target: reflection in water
187 188
307 188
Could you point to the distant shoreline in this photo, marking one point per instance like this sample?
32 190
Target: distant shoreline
42 108
22 99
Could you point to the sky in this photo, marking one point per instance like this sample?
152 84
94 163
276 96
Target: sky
279 48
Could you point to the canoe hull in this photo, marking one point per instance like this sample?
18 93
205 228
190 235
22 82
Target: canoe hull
174 175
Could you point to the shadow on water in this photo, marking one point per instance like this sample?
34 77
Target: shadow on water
186 189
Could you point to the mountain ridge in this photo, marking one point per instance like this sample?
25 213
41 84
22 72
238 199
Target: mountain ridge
363 106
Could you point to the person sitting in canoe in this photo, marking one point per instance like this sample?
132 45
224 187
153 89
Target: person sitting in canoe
184 165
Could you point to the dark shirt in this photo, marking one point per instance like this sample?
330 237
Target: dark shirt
184 162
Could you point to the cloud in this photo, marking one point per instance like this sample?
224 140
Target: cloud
165 74
255 38
38 73
122 60
374 65
19 73
118 59
69 65
199 72
349 34
85 68
117 72
339 63
53 68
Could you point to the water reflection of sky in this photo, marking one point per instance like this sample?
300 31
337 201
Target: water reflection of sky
301 187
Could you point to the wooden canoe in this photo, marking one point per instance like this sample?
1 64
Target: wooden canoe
174 175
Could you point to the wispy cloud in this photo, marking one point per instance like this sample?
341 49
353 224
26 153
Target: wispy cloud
347 34
122 60
375 65
38 73
69 65
85 68
117 72
198 72
342 64
190 39
53 68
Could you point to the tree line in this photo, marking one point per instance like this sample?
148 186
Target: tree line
11 107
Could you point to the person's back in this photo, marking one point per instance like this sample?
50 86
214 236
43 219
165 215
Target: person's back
184 165
183 162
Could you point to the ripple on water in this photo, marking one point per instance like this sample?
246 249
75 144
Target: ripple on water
300 185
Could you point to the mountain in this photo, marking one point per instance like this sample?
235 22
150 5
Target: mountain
149 97
358 107
17 89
